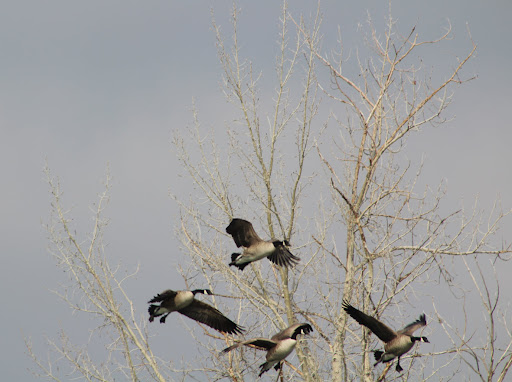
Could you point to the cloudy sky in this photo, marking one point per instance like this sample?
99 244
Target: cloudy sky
86 84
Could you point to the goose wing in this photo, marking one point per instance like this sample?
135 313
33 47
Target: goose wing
165 295
413 326
243 233
208 315
258 343
287 333
384 332
282 256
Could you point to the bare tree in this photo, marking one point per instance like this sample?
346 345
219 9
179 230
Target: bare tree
96 289
254 176
339 187
397 237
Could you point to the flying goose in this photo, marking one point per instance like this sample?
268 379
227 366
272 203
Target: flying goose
278 347
255 248
397 343
183 301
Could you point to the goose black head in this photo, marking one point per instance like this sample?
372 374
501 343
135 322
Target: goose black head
281 243
303 329
203 291
420 339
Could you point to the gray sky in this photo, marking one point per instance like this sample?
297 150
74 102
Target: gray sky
84 84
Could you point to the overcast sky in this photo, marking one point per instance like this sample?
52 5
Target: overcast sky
86 84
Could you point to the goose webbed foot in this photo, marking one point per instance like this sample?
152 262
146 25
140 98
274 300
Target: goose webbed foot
398 367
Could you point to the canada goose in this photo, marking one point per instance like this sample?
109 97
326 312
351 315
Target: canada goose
183 301
397 343
256 248
278 347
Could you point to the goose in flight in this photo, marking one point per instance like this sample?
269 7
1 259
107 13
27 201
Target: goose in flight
278 347
183 301
255 248
396 343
